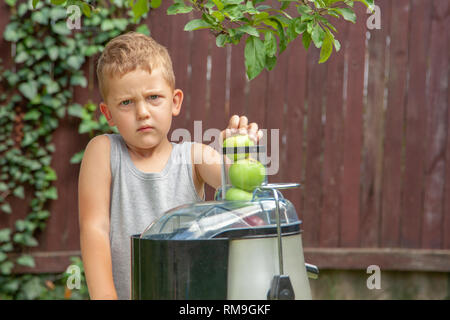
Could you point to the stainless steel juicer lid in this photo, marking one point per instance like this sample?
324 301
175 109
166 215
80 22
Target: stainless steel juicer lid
224 219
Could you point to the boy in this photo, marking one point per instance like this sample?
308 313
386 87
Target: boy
129 179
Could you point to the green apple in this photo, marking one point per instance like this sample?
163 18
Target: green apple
247 174
235 194
240 140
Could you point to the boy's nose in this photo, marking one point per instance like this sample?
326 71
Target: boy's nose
142 111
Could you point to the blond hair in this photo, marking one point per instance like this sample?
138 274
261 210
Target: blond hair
130 51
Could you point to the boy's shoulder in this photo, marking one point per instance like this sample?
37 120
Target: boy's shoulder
100 141
98 148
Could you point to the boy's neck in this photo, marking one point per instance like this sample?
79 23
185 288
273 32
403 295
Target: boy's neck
160 150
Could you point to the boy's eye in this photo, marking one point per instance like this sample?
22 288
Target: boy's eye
153 97
125 102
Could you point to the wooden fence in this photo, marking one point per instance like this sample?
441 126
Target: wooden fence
367 134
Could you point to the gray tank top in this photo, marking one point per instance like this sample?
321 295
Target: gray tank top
138 198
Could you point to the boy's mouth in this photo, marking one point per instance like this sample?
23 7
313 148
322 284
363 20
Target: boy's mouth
145 128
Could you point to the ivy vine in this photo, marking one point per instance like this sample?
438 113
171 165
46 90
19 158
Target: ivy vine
36 94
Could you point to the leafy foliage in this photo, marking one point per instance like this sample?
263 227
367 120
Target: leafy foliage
37 92
261 22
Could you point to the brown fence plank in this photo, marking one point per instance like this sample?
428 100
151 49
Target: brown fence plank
160 25
316 91
257 99
238 82
333 144
295 99
393 142
198 83
446 224
6 221
397 259
416 111
371 175
5 47
350 220
218 116
436 129
180 46
274 114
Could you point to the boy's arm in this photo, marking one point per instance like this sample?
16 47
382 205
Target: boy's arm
93 202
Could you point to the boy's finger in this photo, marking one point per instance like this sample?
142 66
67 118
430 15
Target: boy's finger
243 123
234 122
252 131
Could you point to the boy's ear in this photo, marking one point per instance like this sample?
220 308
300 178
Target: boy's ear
104 109
177 101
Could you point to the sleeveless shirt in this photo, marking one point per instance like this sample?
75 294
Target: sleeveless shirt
138 198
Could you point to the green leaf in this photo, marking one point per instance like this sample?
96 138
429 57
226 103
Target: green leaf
249 29
28 89
270 44
50 174
5 235
26 260
306 40
19 192
61 28
304 10
51 193
12 3
219 4
78 80
76 110
317 36
155 4
107 25
53 53
120 24
39 17
77 157
347 13
337 45
33 289
143 29
3 187
86 8
327 48
75 62
140 7
196 24
6 208
32 115
222 39
52 87
58 2
44 214
21 57
177 8
255 56
271 62
6 267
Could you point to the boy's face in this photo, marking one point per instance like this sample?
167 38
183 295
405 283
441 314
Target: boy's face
138 100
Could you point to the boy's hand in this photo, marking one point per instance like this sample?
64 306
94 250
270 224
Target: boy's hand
239 125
